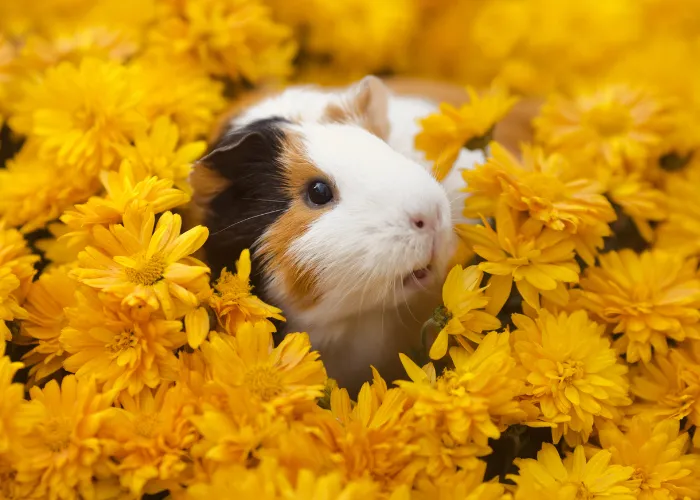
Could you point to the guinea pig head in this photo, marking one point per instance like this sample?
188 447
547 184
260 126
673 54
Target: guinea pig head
337 221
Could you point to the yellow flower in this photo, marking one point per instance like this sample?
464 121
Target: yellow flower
284 377
34 192
16 273
122 189
444 134
649 297
573 374
641 201
680 234
475 401
62 251
147 268
233 302
466 484
154 434
236 39
123 354
669 386
573 478
63 455
658 453
53 291
460 315
79 114
616 124
547 188
160 154
537 258
268 482
11 401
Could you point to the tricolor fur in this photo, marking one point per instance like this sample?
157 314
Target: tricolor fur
343 272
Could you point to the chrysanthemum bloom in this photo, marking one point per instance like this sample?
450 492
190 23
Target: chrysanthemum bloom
617 124
63 454
122 190
680 234
573 374
460 316
538 259
154 434
550 478
146 268
104 343
11 402
78 114
444 134
466 484
16 272
47 297
658 453
475 401
233 302
159 153
669 386
267 482
548 189
641 201
285 377
237 39
649 297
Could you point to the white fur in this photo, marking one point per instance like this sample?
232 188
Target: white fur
366 244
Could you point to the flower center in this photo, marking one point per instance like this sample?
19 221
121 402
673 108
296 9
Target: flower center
264 381
123 341
232 288
442 316
609 122
569 371
583 494
56 434
146 424
148 272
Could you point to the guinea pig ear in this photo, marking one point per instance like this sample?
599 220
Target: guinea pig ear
365 103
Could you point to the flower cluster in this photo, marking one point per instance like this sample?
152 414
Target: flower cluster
563 363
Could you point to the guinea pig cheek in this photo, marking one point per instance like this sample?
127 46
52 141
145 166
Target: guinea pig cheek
297 277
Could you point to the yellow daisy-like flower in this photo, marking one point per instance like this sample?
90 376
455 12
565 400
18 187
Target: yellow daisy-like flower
669 386
547 188
146 267
538 259
460 316
285 376
658 454
268 482
475 401
79 114
237 39
46 300
63 455
649 297
117 351
616 124
573 374
160 154
680 234
233 302
122 189
466 484
550 477
444 134
154 434
11 401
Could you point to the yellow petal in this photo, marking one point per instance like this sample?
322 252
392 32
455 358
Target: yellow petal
197 326
439 347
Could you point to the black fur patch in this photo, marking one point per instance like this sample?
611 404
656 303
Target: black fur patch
249 157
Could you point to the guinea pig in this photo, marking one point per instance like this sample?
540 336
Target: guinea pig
350 234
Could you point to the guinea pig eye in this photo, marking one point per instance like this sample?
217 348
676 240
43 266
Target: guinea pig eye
319 193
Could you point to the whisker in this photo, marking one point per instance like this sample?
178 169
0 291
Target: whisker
263 199
247 219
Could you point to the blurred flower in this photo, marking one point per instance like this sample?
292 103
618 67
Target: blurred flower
680 233
573 374
460 315
551 478
537 258
11 402
641 201
658 453
444 134
648 297
147 268
233 302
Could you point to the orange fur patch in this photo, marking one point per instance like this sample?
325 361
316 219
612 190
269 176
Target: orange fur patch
362 111
301 281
